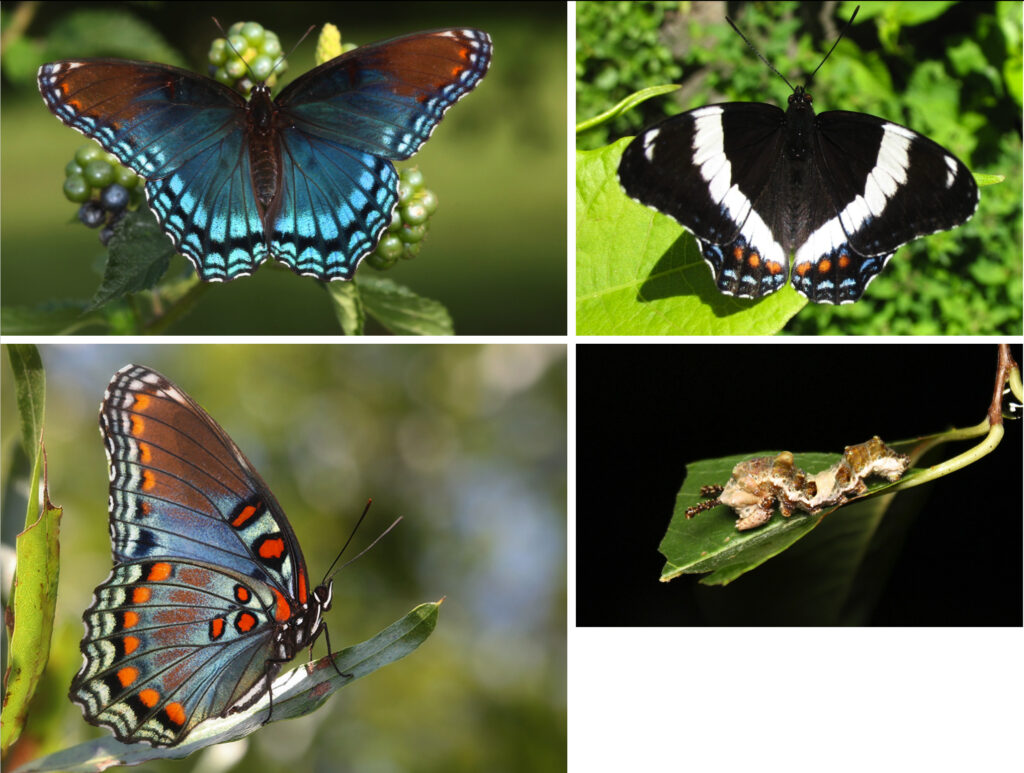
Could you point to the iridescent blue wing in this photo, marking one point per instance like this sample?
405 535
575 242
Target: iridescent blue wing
344 119
185 135
209 592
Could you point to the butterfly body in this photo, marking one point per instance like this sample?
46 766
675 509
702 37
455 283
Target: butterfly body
839 191
209 595
305 178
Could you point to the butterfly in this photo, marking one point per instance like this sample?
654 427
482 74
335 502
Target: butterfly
305 178
841 191
209 594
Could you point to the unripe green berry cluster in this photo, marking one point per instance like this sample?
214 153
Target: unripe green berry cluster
249 52
409 222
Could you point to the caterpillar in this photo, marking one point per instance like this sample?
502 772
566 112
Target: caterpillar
757 484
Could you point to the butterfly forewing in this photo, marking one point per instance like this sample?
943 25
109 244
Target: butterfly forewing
180 487
387 98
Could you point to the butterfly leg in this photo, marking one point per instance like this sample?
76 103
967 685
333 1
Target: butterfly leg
330 652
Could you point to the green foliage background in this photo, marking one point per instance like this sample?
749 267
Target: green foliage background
956 80
467 443
493 169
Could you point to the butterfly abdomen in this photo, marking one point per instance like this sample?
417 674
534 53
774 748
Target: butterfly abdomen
264 150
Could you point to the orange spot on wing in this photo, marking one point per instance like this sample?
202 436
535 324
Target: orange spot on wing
825 266
141 402
127 675
773 267
302 587
129 619
272 548
247 512
148 480
246 622
176 713
145 452
130 644
217 628
141 595
803 268
242 593
138 425
844 260
149 697
159 572
754 260
282 610
737 253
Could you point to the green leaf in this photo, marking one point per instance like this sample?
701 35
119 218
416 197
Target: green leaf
639 273
108 32
348 306
403 312
30 611
296 693
30 388
21 60
139 255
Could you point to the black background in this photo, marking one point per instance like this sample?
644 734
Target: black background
646 410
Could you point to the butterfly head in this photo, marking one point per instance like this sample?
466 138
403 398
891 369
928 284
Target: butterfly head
323 595
801 99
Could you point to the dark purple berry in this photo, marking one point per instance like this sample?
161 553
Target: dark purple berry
114 197
92 214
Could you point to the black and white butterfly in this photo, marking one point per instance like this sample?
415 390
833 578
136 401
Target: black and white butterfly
841 191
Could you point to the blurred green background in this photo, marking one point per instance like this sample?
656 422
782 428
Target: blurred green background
497 163
467 442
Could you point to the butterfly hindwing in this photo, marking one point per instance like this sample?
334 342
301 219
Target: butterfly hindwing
208 208
324 223
171 643
209 594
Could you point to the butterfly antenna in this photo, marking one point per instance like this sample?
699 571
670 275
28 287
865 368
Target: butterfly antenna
772 68
280 59
759 56
306 35
842 32
297 44
331 570
366 550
